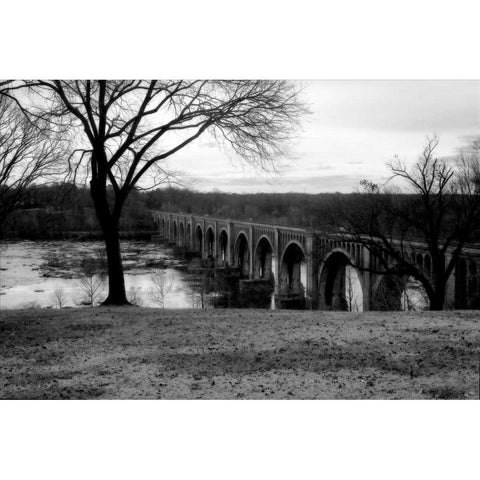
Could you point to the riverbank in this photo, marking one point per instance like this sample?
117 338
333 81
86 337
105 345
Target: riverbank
132 352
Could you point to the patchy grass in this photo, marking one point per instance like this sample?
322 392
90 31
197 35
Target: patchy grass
132 352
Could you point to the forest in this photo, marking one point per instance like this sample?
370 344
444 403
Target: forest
60 210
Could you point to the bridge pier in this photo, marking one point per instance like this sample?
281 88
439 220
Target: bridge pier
366 276
308 277
231 243
215 242
251 252
450 292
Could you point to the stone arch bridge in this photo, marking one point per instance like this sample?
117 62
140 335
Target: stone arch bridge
304 265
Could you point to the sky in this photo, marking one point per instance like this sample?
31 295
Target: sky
354 128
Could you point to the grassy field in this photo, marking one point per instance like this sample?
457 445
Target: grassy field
233 354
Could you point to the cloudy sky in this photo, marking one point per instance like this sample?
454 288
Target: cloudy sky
354 129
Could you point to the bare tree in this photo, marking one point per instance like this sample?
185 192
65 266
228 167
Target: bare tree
439 213
198 293
203 285
414 296
59 297
127 129
163 284
134 296
92 287
28 153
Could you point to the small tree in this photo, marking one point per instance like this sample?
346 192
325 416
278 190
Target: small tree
163 284
440 210
59 297
134 296
92 287
93 275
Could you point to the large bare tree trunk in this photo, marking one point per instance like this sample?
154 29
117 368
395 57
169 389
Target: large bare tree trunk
109 225
116 282
437 294
437 300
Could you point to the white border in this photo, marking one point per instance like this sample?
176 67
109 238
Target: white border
248 39
239 439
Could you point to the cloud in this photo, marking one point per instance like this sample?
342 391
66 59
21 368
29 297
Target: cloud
299 183
425 106
355 128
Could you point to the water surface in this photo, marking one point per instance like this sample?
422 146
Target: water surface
44 274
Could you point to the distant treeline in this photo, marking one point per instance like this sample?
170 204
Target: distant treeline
289 209
57 211
51 211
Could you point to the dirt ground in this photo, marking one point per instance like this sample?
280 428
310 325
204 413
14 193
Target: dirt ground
130 352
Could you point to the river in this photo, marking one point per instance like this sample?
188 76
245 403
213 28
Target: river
62 273
53 274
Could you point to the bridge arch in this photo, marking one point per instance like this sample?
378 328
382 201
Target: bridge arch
210 242
163 226
199 239
223 247
341 285
242 254
168 229
293 272
467 280
394 292
263 259
414 295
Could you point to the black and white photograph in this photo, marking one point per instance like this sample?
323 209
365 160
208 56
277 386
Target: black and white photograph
190 239
280 242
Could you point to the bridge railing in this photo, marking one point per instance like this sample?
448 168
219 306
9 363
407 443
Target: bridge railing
232 220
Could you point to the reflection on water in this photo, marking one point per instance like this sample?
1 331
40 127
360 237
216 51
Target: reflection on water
46 274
